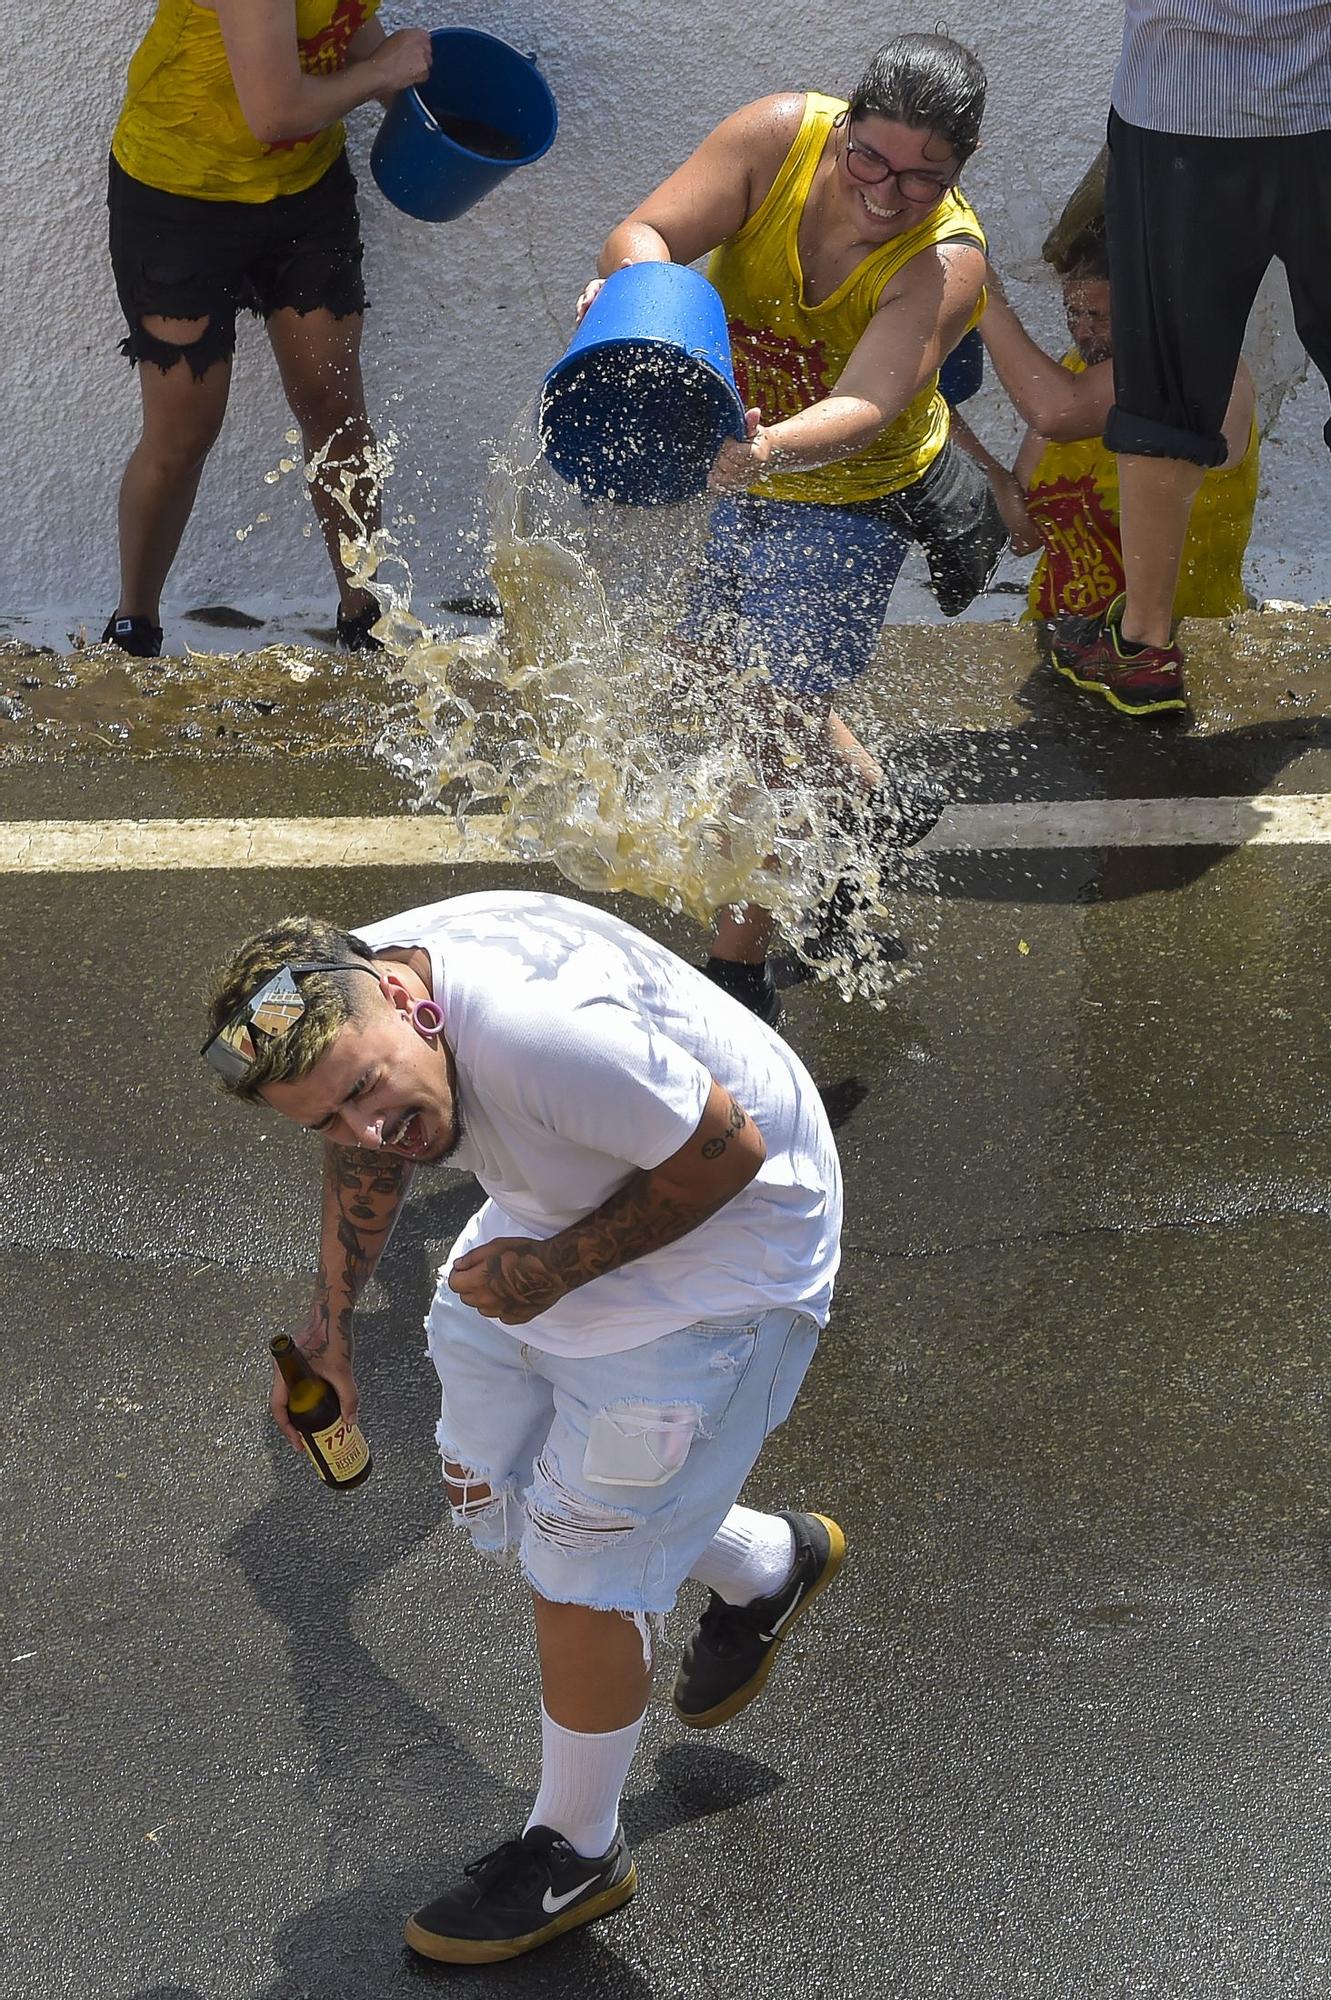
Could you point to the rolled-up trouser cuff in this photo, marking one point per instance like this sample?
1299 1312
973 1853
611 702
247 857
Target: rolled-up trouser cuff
1143 437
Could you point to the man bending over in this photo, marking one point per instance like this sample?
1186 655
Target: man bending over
616 1330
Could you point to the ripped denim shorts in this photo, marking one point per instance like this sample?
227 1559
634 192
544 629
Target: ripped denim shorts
608 1474
182 258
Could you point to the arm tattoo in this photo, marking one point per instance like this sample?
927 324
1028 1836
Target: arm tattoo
643 1215
712 1149
363 1193
639 1217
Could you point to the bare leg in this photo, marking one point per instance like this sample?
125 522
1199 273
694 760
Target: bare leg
318 356
830 753
842 742
182 415
593 1674
1155 505
741 937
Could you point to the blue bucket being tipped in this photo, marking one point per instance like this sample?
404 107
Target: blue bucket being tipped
483 110
645 396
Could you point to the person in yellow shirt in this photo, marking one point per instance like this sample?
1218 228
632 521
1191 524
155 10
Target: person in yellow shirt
1070 480
850 265
229 189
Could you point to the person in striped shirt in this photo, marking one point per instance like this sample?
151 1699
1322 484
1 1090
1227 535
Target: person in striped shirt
1219 160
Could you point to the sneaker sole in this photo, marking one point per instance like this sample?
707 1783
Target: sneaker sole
1161 707
753 1687
488 1951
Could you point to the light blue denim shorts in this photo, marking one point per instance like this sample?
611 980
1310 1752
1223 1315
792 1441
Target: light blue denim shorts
607 1475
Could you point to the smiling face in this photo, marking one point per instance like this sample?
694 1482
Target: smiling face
381 1084
924 167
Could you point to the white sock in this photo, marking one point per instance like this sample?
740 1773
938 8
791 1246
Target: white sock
749 1556
582 1779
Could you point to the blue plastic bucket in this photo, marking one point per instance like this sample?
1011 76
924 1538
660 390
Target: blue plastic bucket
962 374
483 110
645 395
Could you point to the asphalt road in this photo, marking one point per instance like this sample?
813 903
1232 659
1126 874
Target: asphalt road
1061 1731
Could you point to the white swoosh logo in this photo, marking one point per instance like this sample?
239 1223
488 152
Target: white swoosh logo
552 1904
789 1612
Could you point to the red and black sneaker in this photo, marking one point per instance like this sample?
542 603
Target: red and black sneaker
1136 680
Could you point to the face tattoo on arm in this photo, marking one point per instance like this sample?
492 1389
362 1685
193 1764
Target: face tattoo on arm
367 1188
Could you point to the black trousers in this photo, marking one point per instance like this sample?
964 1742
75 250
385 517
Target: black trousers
1193 225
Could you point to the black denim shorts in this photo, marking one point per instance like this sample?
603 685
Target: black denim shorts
952 513
183 258
1193 224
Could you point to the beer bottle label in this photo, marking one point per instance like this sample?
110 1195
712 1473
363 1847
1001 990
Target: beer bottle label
342 1447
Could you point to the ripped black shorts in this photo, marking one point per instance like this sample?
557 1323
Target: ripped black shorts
183 258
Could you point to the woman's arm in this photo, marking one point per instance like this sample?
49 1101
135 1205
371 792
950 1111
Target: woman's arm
917 323
366 42
278 98
1051 398
712 195
371 35
1032 451
1009 495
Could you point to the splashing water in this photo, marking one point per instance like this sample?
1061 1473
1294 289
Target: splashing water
581 733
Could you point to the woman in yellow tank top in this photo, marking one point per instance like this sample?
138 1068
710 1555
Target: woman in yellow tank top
1071 481
850 266
229 189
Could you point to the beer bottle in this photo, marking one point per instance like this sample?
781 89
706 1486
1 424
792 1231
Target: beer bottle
338 1449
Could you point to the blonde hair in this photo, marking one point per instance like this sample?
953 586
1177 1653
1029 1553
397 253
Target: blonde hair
330 1000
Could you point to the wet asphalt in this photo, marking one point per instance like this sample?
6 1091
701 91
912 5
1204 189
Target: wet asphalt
1061 1730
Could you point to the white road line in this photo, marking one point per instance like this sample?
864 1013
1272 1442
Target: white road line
78 846
1288 819
430 840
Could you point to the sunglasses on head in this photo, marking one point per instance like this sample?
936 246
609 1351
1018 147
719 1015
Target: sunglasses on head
273 1010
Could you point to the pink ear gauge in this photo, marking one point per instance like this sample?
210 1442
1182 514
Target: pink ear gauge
427 1018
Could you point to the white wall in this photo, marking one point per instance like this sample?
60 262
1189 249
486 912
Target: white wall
469 314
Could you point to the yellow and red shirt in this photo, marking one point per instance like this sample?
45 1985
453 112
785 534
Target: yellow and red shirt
181 127
1073 500
788 353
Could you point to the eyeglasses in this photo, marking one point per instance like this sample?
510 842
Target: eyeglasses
273 1011
871 169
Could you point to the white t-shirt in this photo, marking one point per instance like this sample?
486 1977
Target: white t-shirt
585 1050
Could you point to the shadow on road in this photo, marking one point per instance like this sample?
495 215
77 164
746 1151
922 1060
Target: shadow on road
362 1928
1074 748
307 1556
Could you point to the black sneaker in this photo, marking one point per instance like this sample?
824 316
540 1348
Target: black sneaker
900 813
524 1894
353 630
752 985
834 937
138 636
728 1659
